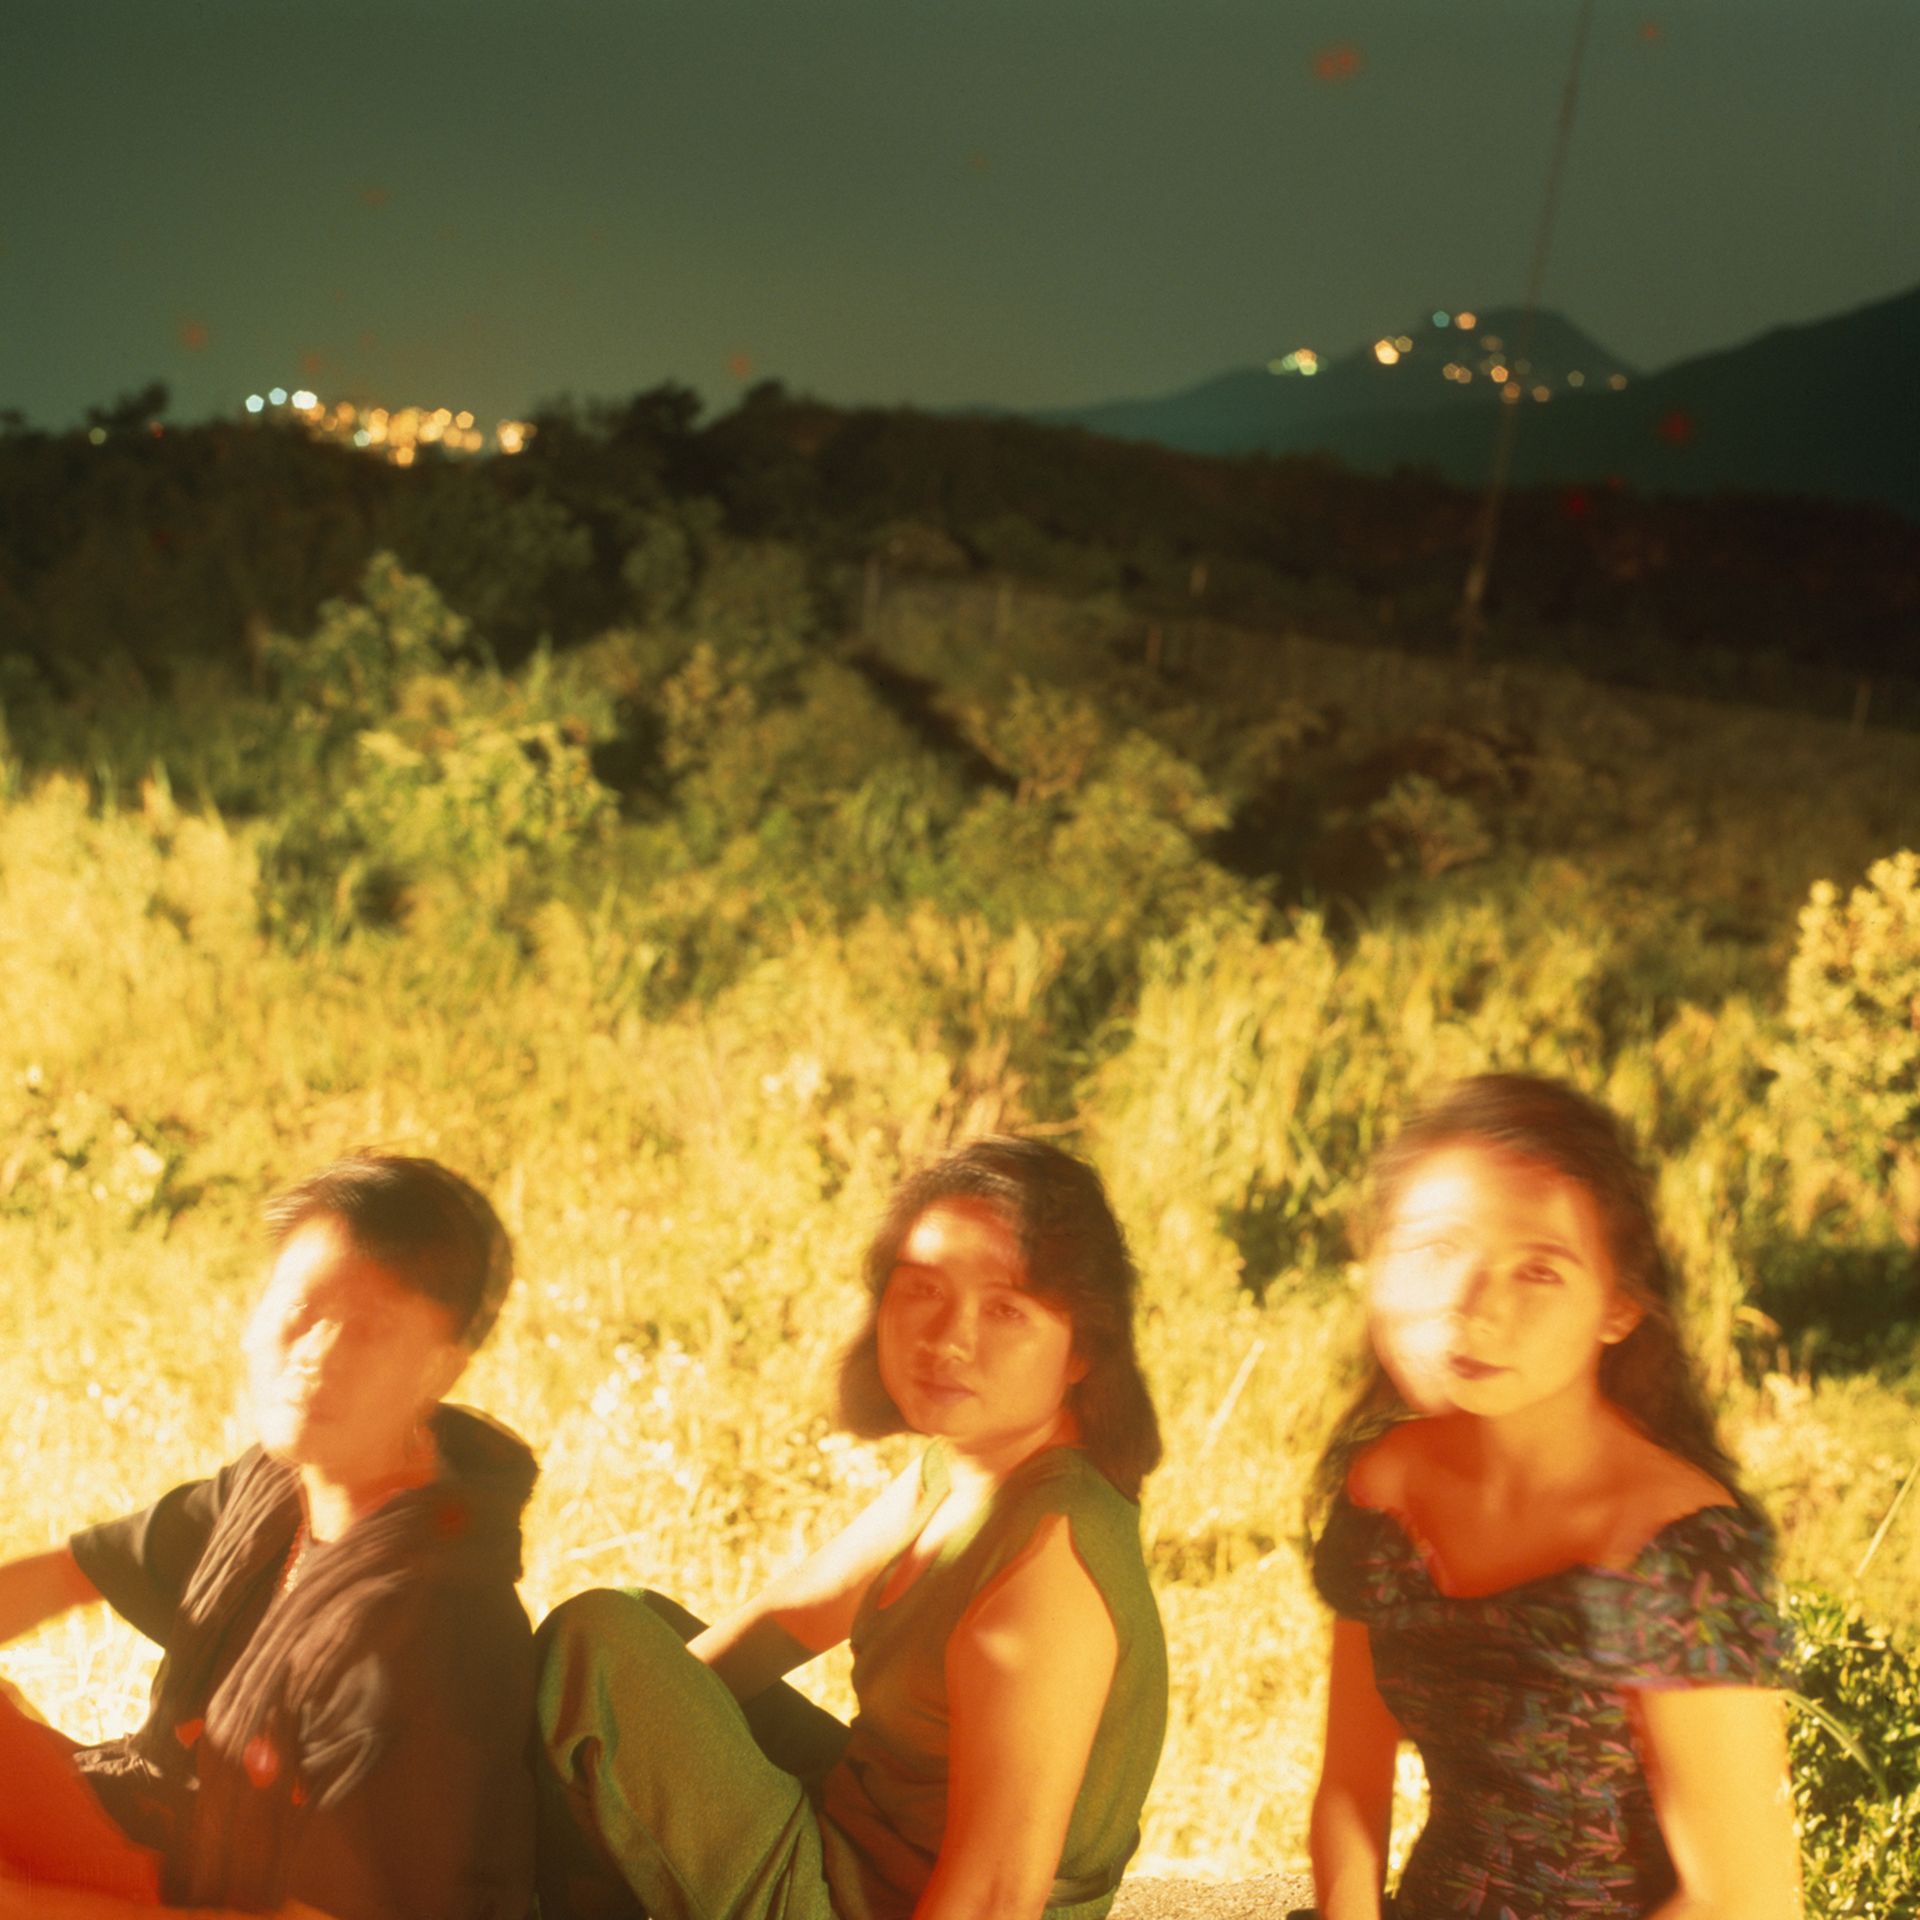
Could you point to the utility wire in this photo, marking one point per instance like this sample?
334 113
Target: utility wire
1472 616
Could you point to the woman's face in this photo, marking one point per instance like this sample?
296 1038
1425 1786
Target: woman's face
1492 1289
343 1360
967 1351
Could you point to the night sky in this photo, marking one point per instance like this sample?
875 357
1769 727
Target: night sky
482 203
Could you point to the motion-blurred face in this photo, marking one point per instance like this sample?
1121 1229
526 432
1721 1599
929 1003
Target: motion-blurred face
1492 1289
344 1359
966 1349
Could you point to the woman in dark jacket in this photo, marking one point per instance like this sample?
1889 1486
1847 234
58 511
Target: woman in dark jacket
339 1722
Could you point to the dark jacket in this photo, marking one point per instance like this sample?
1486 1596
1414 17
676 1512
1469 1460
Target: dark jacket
356 1742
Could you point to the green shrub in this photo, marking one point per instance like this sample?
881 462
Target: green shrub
413 761
1422 828
1855 1745
1849 1075
347 673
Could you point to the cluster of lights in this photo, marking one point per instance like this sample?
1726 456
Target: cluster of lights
1508 376
396 434
1302 360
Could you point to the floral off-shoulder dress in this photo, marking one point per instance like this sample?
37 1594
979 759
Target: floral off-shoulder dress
1519 1703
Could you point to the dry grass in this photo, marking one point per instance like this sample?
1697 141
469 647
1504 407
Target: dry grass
689 1197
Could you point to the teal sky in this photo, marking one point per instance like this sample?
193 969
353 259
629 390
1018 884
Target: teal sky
480 203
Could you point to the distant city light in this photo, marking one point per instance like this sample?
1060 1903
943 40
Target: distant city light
398 434
1497 374
1386 352
1543 393
1302 360
1617 381
1404 342
98 435
1441 318
1576 378
1511 391
1466 322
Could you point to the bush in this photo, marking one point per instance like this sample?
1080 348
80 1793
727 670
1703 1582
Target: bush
1855 1745
411 761
1849 1076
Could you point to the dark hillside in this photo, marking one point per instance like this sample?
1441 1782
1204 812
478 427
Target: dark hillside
1828 411
124 562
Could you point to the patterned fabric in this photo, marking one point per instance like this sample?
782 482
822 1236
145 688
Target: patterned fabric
1519 1702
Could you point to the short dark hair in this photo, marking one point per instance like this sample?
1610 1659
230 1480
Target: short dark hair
1076 1258
1648 1374
433 1231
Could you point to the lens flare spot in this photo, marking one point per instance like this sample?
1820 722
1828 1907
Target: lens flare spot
1338 62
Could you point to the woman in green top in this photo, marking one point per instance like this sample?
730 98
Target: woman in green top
1008 1663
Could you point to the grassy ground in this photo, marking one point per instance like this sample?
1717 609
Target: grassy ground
689 1193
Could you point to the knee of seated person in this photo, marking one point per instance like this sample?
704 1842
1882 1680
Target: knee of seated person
582 1624
587 1624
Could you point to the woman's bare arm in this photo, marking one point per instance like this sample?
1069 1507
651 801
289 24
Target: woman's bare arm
1028 1671
1717 1764
1353 1805
810 1607
39 1588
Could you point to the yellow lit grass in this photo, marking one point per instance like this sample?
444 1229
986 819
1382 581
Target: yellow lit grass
689 1198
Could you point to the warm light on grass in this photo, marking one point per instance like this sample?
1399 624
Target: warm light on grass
690 1191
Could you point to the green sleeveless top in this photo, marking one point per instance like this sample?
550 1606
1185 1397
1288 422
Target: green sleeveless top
884 1805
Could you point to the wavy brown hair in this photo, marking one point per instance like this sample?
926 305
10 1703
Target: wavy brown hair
1076 1258
1647 1375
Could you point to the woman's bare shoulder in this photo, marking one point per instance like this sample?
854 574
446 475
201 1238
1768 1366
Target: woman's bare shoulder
1653 1488
1384 1470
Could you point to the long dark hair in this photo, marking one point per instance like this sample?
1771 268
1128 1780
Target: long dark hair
1647 1375
1075 1257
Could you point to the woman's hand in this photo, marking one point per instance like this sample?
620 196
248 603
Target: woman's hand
1028 1671
1353 1805
1716 1760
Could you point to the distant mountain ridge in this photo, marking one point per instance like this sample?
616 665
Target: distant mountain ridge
1829 409
1442 360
